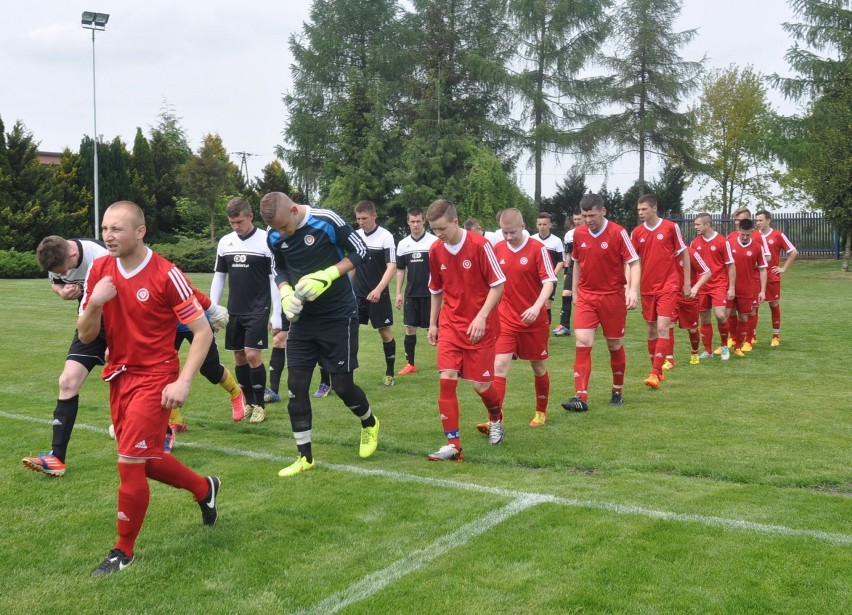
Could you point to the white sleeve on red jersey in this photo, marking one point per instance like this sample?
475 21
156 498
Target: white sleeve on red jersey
629 252
681 245
703 268
497 277
788 245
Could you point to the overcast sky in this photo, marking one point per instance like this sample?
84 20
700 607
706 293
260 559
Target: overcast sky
223 67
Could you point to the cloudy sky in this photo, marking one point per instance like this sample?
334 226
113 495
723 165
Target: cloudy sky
223 67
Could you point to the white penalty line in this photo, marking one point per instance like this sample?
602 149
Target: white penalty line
538 498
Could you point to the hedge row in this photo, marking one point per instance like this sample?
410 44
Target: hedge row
191 255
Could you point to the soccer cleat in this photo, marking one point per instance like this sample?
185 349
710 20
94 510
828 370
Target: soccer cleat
746 347
561 331
448 452
753 341
369 440
258 414
238 408
46 464
652 381
178 427
668 364
575 404
738 352
616 398
539 419
300 465
271 397
731 342
694 359
495 433
116 561
408 369
483 428
209 512
718 351
726 353
169 443
323 390
776 341
388 381
706 355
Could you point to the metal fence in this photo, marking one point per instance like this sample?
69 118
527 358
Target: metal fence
812 234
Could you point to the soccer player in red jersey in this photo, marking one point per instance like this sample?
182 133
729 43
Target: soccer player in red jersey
743 213
776 242
687 307
659 244
466 284
750 262
602 292
524 325
141 297
719 290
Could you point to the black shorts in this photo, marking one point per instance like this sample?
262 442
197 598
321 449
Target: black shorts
212 368
380 314
331 342
285 324
247 331
415 312
88 355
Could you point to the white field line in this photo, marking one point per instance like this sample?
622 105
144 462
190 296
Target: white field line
614 507
374 582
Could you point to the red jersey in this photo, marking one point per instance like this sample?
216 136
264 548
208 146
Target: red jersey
716 252
465 273
602 257
526 269
749 260
697 268
776 242
658 247
756 237
140 321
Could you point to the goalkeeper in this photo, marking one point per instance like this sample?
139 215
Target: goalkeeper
314 249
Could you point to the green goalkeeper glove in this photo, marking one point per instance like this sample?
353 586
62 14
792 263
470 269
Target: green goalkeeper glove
291 303
314 284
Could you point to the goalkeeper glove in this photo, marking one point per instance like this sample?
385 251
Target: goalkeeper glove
314 284
218 317
291 303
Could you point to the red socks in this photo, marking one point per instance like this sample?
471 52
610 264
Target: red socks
776 318
582 371
493 402
448 406
618 364
707 337
133 497
499 386
542 392
172 472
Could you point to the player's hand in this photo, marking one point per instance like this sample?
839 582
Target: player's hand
476 329
432 335
777 270
175 394
71 291
731 294
399 301
374 296
761 297
631 300
530 314
103 291
218 317
314 284
291 302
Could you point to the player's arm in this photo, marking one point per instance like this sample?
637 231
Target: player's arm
400 281
476 328
634 273
437 301
762 296
791 258
687 273
376 293
531 313
575 280
705 277
89 322
175 393
732 281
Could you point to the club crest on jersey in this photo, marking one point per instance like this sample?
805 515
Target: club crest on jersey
309 240
712 248
239 258
659 236
748 252
604 245
142 294
524 260
467 264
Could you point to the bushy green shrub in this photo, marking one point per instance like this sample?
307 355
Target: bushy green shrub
191 255
19 265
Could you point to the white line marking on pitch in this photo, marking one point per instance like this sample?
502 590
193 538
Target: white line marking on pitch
614 507
374 582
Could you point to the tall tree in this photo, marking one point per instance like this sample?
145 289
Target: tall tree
169 150
820 153
566 200
274 178
556 39
207 177
142 182
733 122
668 188
648 83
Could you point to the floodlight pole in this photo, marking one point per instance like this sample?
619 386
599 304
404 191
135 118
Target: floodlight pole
95 21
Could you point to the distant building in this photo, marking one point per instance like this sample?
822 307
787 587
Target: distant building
49 158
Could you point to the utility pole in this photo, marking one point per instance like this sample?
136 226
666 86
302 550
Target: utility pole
244 156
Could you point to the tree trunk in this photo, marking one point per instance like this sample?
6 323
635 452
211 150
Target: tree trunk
844 266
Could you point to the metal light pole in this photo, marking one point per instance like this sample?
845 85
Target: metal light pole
95 21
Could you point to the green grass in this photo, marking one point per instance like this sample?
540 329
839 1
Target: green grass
727 491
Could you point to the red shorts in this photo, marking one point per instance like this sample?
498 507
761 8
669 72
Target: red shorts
745 304
608 311
687 313
138 416
475 364
712 297
773 291
654 306
525 344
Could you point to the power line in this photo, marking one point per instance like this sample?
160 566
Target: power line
244 156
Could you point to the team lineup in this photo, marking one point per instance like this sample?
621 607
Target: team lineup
310 280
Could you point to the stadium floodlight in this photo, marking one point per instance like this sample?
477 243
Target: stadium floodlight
95 21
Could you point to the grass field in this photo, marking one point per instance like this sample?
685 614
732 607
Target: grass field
727 491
